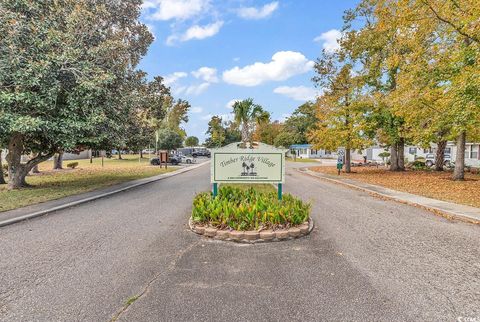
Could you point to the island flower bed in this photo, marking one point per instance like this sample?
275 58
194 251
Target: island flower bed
249 215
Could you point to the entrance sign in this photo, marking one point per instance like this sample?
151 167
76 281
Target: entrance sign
261 164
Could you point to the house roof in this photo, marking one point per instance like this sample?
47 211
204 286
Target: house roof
300 146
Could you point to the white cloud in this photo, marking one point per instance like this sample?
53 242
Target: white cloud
173 78
196 109
231 102
225 117
298 93
197 89
207 74
258 13
207 117
330 40
174 9
178 90
284 65
196 32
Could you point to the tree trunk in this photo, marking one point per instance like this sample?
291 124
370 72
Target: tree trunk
119 154
16 173
16 170
348 163
459 172
141 154
393 158
2 178
440 157
58 161
401 155
244 132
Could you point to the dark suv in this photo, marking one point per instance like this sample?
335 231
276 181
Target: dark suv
201 153
173 159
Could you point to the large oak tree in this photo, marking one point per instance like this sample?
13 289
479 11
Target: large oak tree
63 66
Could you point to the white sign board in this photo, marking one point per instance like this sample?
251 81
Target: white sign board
264 164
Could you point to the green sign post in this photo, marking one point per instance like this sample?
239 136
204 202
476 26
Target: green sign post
341 154
260 163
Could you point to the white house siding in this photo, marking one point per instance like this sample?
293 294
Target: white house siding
472 153
305 151
373 153
86 154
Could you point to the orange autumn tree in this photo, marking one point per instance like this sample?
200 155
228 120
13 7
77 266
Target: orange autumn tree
340 110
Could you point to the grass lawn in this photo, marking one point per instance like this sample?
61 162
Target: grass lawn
53 184
437 185
261 187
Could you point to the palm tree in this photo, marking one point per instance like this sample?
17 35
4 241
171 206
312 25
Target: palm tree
247 114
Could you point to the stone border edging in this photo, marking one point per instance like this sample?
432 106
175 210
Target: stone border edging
448 214
102 195
253 236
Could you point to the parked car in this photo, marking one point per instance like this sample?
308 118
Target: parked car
202 152
188 159
173 159
148 151
430 159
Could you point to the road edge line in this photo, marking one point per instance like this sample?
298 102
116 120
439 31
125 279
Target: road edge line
40 213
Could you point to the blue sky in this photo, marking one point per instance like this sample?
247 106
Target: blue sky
214 52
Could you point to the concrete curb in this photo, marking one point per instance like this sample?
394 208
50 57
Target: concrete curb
99 196
449 214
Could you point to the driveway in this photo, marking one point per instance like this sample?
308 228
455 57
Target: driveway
131 256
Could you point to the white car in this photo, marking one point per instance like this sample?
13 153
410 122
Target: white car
431 158
188 159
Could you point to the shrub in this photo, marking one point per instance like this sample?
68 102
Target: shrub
248 209
4 169
72 165
417 165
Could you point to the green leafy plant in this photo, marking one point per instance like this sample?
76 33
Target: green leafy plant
418 165
72 165
248 209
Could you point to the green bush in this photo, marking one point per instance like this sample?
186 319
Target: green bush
417 165
248 209
72 165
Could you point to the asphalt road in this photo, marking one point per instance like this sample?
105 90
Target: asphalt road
366 260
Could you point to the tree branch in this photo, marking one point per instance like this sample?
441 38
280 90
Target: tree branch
38 159
448 22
